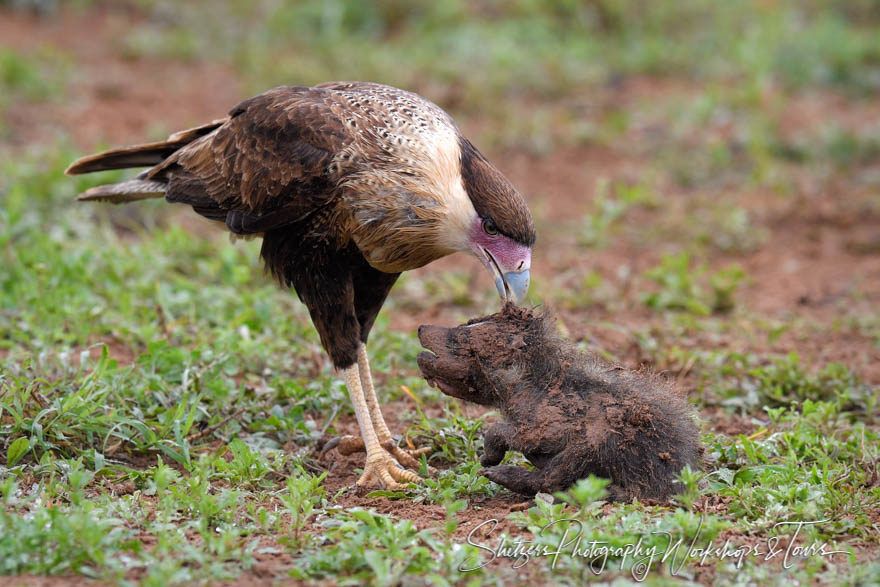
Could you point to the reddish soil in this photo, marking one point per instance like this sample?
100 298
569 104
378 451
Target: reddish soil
39 581
111 99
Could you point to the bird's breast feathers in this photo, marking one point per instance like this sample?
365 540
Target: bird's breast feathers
407 204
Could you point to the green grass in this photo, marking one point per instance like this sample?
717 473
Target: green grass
199 427
23 75
36 76
679 288
610 211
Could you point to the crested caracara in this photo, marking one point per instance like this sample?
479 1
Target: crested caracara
348 184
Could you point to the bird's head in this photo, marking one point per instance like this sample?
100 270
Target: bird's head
507 260
502 232
443 197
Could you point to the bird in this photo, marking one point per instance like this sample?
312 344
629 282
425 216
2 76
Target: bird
348 184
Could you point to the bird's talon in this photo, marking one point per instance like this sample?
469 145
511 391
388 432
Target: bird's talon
345 445
401 474
328 446
410 458
387 472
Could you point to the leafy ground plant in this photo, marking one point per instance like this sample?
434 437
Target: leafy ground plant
680 288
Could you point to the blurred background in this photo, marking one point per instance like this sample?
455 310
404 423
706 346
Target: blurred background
703 173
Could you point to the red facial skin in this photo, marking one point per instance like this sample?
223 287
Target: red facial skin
511 256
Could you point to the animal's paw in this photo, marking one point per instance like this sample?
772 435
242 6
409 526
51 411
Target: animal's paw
500 474
489 460
516 479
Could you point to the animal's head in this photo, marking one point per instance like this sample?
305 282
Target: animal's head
477 361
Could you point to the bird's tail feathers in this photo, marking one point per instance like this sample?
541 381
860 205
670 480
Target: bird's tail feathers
125 191
124 158
145 155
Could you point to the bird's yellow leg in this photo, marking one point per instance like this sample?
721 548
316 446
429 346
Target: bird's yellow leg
380 466
405 458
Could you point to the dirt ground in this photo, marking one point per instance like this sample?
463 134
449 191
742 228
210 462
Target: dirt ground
819 264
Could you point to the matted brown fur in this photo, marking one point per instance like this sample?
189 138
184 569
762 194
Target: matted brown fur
568 412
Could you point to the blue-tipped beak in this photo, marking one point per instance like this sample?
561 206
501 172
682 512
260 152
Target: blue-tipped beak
513 286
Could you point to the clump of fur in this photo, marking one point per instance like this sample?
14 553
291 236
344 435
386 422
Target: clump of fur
568 412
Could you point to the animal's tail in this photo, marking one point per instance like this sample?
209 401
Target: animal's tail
125 191
146 155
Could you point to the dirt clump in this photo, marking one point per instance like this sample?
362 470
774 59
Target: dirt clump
567 412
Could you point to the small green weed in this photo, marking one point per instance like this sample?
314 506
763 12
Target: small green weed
33 77
680 289
304 494
784 382
610 209
54 539
381 550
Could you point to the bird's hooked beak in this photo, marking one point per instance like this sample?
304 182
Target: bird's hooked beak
509 263
512 286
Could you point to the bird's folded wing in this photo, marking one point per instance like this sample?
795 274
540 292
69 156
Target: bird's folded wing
269 164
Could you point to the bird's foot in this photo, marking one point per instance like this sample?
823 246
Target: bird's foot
346 445
408 458
381 468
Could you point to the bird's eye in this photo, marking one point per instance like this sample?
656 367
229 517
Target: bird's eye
489 227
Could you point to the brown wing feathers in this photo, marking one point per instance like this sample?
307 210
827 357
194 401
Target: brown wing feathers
264 166
124 158
275 147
